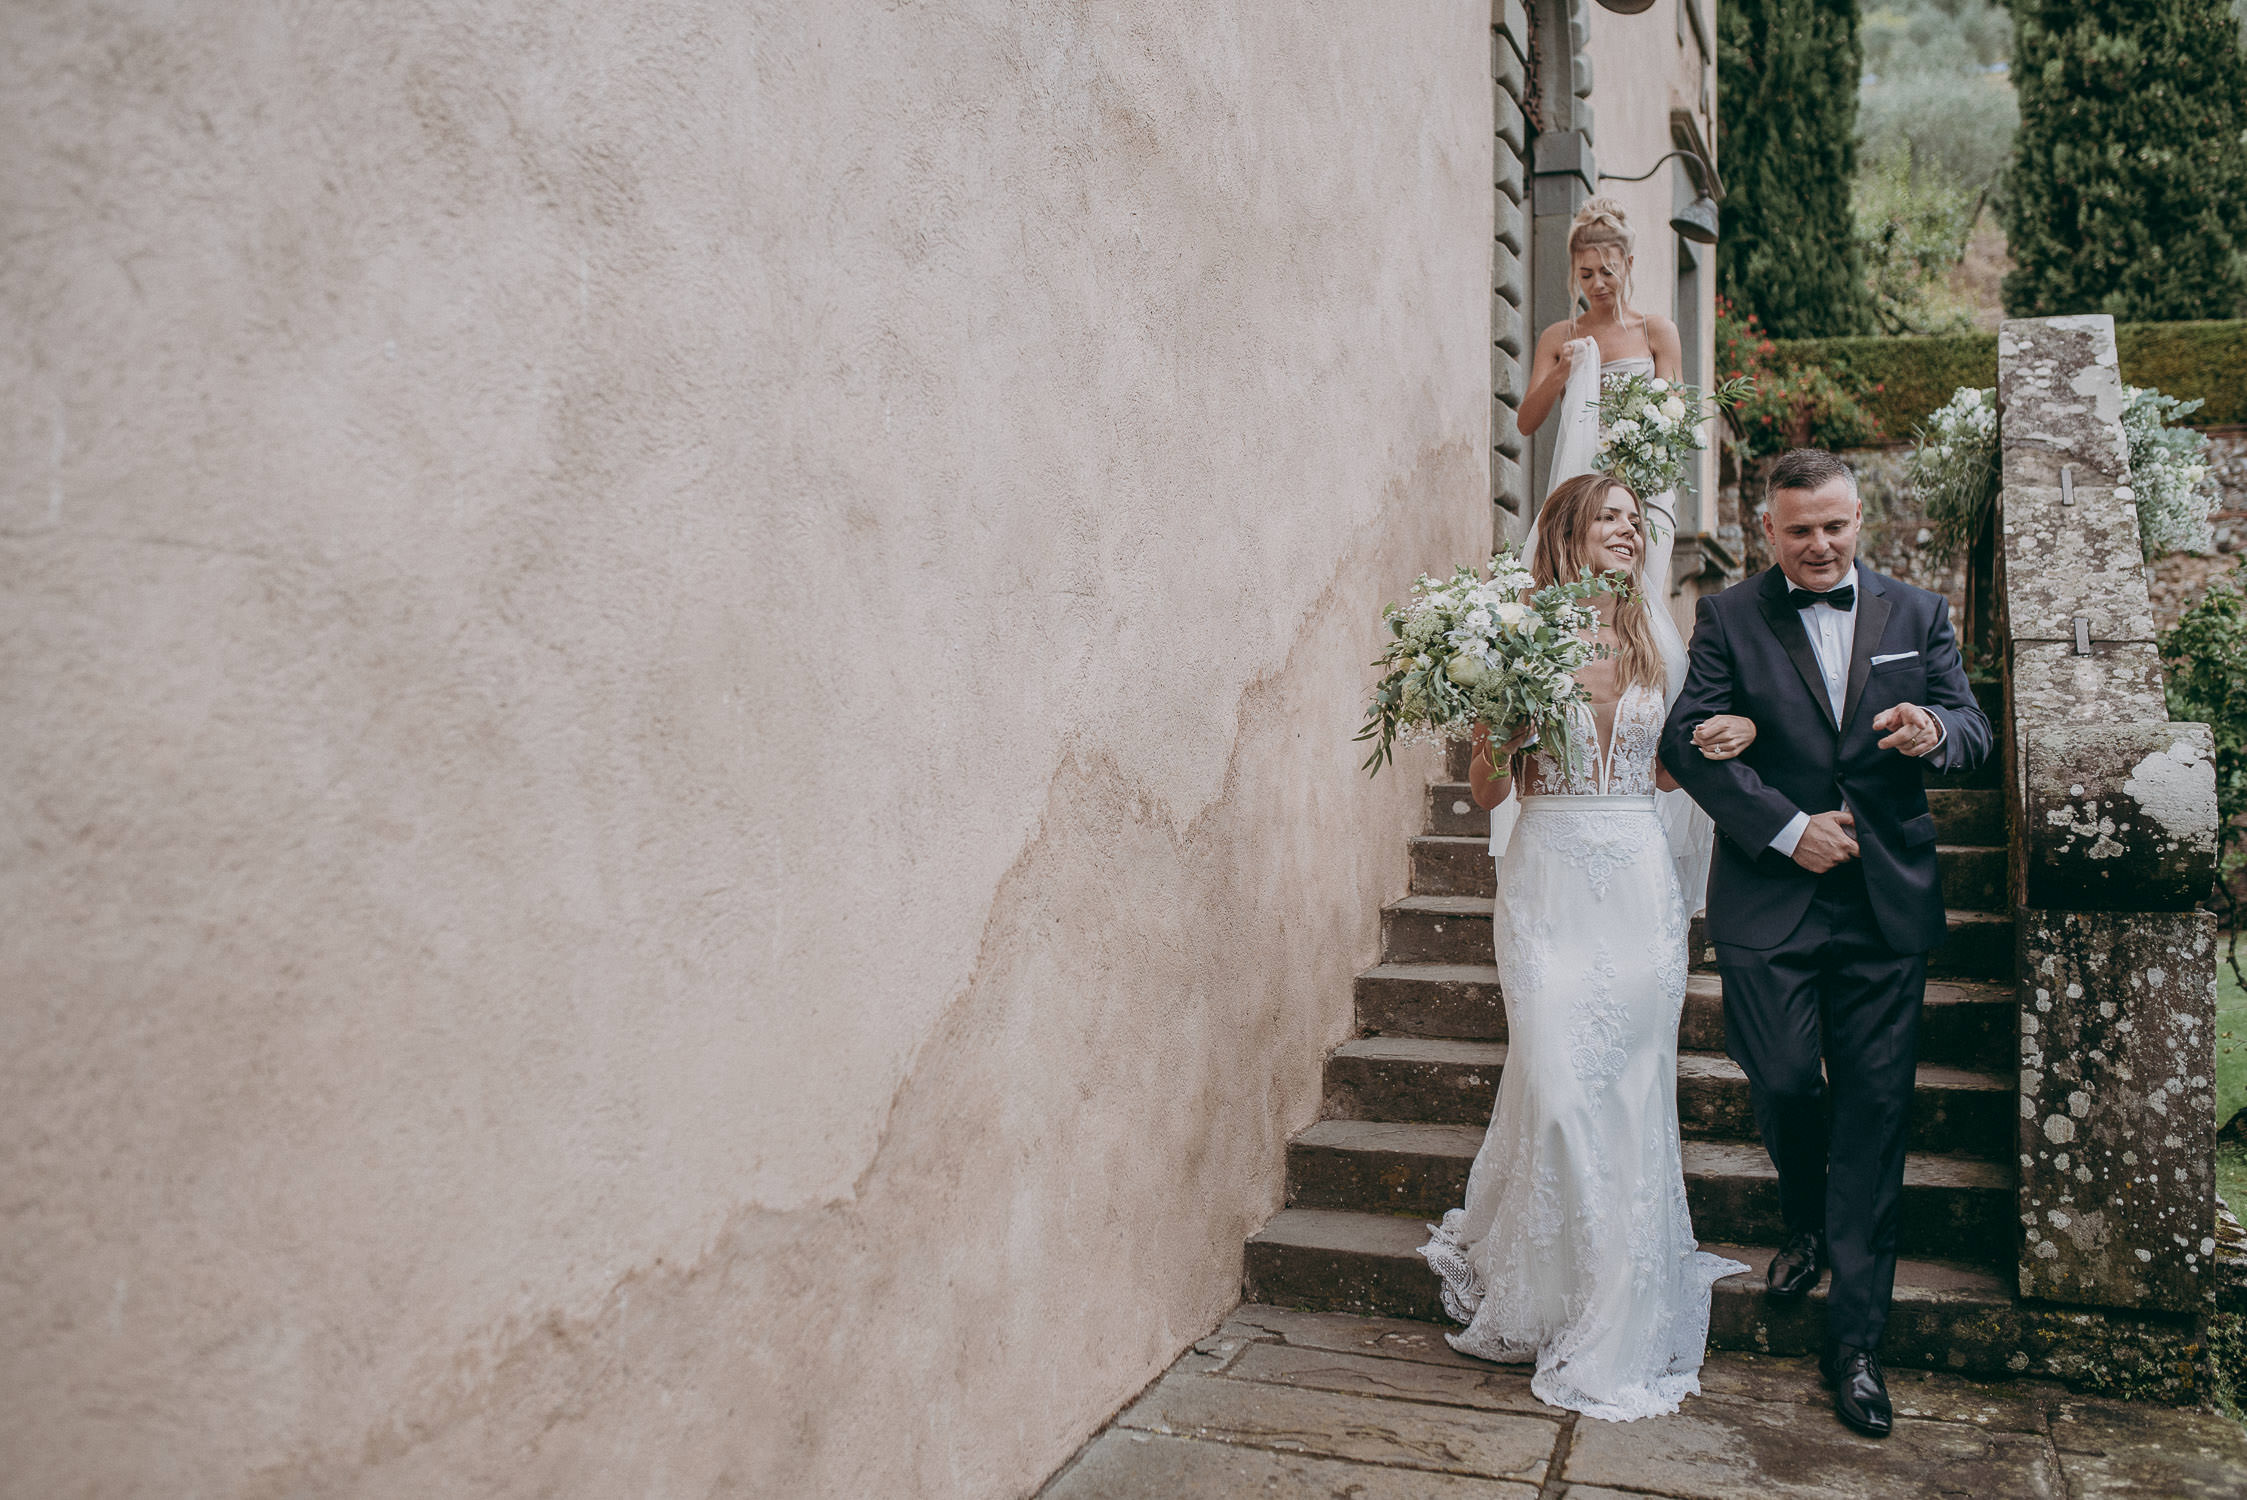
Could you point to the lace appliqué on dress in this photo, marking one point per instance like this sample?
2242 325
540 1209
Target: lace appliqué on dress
1627 769
1637 738
1596 1024
1599 843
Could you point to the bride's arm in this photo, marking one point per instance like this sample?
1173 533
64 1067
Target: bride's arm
1548 377
1723 736
1487 787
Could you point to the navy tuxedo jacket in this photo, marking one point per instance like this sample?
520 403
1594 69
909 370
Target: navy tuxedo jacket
1751 656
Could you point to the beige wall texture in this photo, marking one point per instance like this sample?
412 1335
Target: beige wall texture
678 803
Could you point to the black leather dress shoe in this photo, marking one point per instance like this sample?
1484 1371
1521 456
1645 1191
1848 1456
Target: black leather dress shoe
1860 1391
1797 1267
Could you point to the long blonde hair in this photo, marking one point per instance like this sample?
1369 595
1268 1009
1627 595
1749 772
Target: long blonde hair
1602 226
1564 550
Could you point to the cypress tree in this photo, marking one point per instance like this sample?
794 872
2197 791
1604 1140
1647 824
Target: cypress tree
2128 192
1787 75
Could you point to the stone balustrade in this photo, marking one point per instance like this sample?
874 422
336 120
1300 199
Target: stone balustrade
2113 810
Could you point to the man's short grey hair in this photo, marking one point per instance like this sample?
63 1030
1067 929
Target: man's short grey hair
1806 469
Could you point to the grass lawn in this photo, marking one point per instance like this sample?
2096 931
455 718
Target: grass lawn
2231 1084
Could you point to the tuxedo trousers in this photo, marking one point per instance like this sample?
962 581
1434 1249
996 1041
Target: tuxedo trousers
1826 1026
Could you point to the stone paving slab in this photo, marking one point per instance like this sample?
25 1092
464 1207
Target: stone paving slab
2004 1406
1390 1338
1402 1434
1124 1465
1282 1404
1490 1388
1722 1447
2115 1448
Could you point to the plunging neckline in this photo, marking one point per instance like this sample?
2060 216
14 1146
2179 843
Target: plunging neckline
1606 743
1603 746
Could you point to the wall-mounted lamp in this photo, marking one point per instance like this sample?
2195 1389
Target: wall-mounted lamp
1697 221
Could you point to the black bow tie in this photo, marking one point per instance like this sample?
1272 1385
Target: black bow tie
1844 597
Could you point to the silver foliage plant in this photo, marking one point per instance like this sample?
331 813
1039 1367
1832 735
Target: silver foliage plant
2168 473
1954 469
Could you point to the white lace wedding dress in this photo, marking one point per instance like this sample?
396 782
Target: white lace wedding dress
1575 1248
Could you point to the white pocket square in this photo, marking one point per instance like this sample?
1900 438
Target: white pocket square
1893 656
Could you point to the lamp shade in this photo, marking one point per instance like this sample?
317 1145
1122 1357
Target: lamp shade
1697 220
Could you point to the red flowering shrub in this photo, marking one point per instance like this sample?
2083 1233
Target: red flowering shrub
1794 406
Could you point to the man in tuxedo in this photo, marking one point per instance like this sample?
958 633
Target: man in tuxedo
1823 895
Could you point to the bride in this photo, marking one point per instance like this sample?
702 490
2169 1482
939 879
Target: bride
1575 1249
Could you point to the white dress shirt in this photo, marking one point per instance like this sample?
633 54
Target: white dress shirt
1833 635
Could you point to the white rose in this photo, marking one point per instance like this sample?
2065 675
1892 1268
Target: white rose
1660 385
1519 618
1464 670
1623 429
1674 409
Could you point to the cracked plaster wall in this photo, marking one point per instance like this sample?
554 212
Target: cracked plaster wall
679 804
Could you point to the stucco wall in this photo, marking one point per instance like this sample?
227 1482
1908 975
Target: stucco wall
678 801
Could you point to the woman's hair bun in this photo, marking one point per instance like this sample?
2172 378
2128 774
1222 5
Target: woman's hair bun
1596 209
1601 221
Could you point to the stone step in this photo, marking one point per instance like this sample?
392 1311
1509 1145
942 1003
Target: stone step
1974 816
1452 812
1444 865
1977 948
1436 930
1370 1264
1956 1206
1441 1081
1946 1315
1963 1025
1973 876
1963 815
1456 930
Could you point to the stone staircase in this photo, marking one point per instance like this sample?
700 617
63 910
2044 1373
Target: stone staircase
1407 1102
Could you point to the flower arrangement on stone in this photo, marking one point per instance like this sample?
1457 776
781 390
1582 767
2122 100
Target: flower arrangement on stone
1650 428
1494 651
2168 473
1955 471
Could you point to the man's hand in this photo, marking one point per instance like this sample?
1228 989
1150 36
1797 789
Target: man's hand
1830 839
1909 729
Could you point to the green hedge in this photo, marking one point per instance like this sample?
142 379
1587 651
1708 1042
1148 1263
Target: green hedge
2186 360
1903 379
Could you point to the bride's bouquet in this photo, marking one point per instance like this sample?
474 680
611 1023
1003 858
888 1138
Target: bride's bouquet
1650 429
1475 651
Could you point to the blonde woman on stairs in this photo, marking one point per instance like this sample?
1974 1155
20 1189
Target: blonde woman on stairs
1608 337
